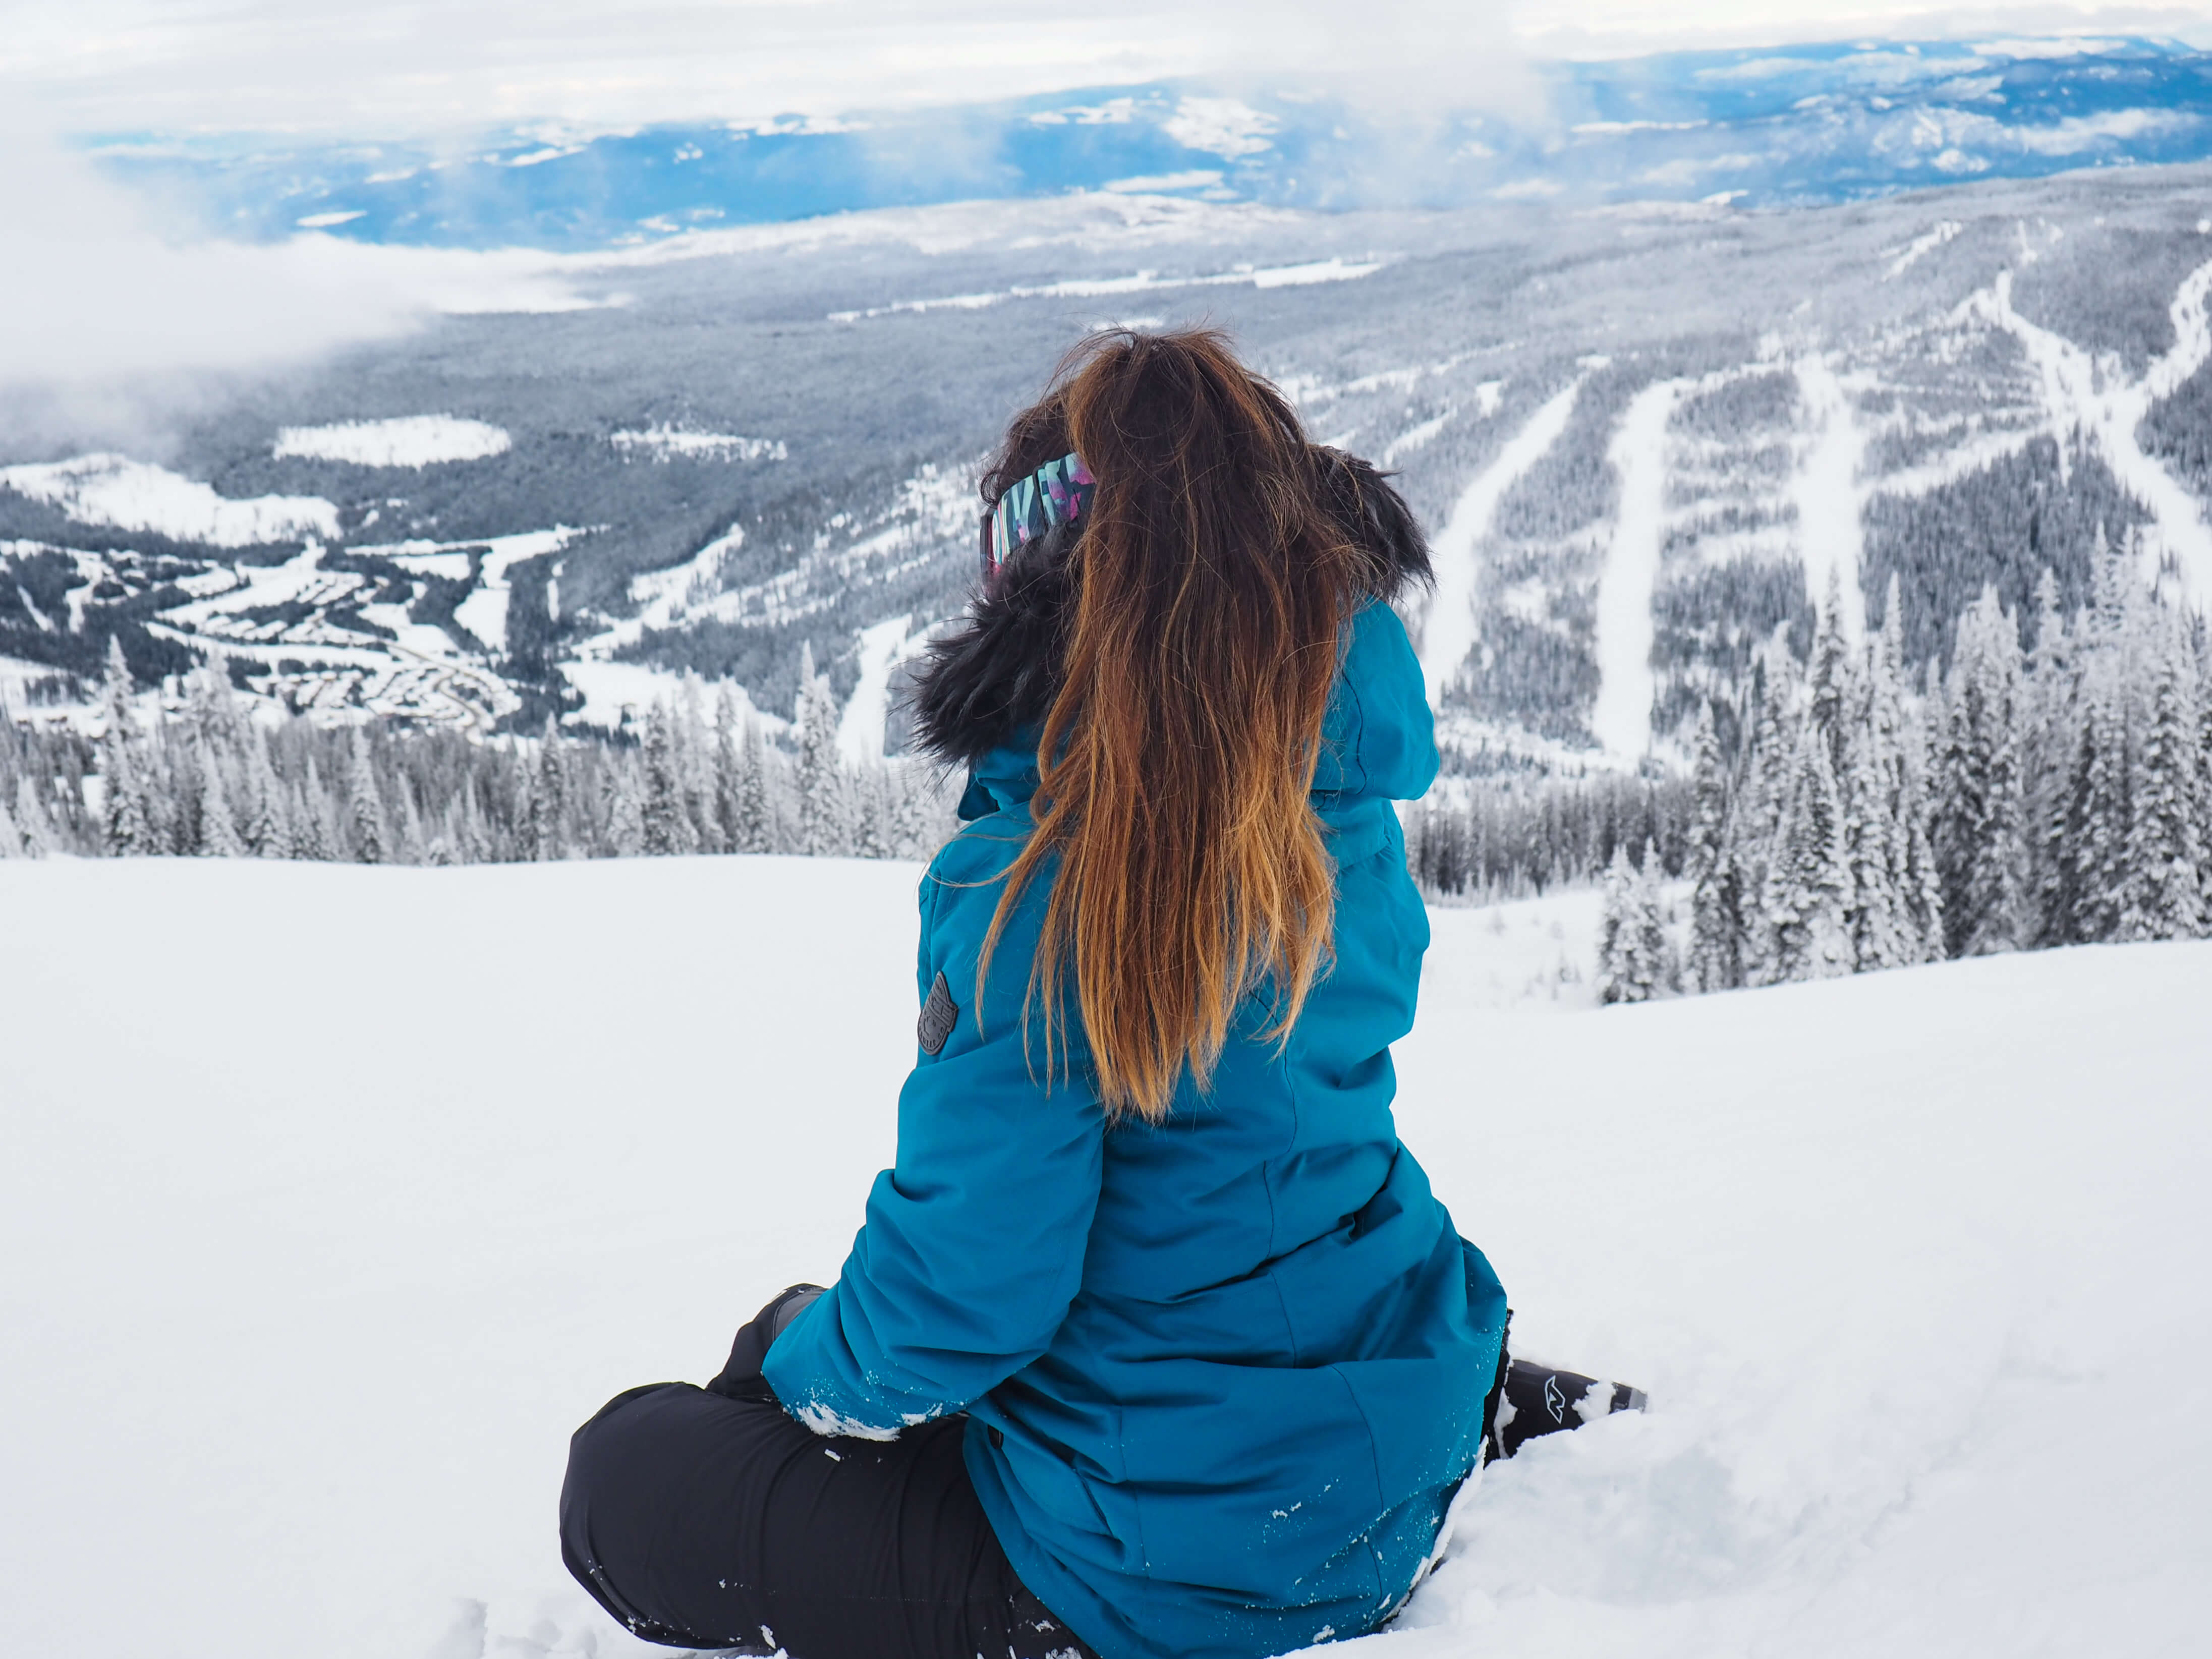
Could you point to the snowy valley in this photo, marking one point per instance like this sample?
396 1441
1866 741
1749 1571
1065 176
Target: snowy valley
1645 439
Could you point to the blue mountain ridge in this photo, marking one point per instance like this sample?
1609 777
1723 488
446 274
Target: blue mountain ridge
1789 126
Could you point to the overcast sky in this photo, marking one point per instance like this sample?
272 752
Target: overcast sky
394 67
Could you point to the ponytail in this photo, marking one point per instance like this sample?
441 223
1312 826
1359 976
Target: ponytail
1210 584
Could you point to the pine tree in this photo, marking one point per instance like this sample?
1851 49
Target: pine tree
2204 751
625 818
1756 825
310 837
1878 800
2162 894
122 809
476 845
11 841
34 831
755 830
549 797
911 829
372 834
1716 896
666 829
1809 897
824 815
1651 958
414 848
1830 676
267 834
1920 884
1635 962
695 770
1979 839
1616 978
2046 755
871 813
218 830
2096 810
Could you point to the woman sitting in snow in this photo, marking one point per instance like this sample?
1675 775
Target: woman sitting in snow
1156 1341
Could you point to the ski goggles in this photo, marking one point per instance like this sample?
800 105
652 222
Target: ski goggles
1057 493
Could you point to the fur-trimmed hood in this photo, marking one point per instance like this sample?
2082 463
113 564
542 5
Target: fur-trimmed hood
1000 669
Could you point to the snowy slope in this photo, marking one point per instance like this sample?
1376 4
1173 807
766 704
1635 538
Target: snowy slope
318 1254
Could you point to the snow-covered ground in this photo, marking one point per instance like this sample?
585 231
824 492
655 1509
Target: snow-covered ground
403 441
115 491
334 1197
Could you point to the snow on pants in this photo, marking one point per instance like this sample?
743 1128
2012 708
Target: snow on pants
704 1521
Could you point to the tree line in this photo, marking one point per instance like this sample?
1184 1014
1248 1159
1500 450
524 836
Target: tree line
2035 796
212 778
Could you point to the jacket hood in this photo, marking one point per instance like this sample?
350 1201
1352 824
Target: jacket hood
990 681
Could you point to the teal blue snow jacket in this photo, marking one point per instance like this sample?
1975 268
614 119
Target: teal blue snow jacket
1222 1375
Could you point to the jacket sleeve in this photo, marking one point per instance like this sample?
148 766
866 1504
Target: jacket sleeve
974 1244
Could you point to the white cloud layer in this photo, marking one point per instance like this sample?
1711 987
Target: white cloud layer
393 66
95 292
115 306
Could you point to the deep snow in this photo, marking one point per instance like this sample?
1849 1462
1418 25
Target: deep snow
335 1197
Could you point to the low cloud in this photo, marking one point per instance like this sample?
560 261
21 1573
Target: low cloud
108 310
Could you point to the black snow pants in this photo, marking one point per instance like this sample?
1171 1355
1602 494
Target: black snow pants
713 1520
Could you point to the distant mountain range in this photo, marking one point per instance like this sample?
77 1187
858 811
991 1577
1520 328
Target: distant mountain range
1787 127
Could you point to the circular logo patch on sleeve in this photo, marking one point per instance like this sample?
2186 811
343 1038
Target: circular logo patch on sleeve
938 1014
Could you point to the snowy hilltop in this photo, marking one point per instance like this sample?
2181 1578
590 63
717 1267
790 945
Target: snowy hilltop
301 1337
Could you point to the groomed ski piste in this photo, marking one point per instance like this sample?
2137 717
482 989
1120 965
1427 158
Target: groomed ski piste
334 1197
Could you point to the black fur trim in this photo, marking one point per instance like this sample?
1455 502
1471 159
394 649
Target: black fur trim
1000 668
1375 515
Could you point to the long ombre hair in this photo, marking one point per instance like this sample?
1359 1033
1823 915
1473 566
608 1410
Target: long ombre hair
1211 585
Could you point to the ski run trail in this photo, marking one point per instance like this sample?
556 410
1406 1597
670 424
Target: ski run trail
2089 395
1449 632
317 1253
1825 490
1622 721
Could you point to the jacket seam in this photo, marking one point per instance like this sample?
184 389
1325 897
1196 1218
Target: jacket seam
1375 1465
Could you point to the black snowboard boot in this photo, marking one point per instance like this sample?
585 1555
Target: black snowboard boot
1529 1399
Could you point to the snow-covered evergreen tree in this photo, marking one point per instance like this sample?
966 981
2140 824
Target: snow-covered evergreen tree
218 830
1615 921
311 831
1807 896
1715 893
33 829
666 829
912 832
1979 837
414 843
1634 960
268 830
625 815
2163 895
127 828
548 798
825 817
372 832
1880 802
1757 822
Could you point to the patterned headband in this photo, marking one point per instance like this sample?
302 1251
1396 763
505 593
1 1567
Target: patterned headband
1056 493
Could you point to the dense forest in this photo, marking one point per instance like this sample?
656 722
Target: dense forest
2051 791
213 779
